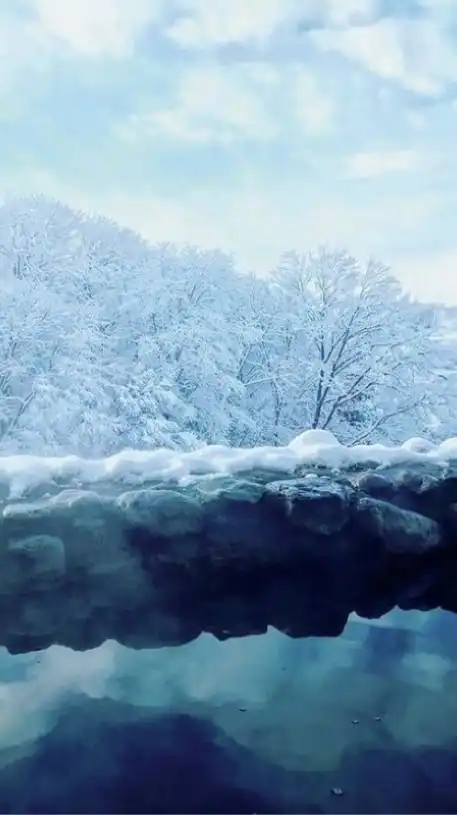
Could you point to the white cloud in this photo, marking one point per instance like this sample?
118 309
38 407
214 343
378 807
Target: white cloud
439 7
431 276
250 101
314 108
207 23
23 47
96 27
204 23
416 119
373 164
251 221
35 35
347 12
213 102
257 225
417 54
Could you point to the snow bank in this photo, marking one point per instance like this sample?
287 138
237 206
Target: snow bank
314 447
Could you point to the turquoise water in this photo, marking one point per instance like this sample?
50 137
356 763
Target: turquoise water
363 723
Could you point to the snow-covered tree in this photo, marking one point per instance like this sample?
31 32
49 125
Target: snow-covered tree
28 348
266 366
193 337
361 346
108 342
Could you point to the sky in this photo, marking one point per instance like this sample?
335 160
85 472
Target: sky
253 125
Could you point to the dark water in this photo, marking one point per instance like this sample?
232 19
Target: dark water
259 725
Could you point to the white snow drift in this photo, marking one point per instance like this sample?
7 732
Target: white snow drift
23 472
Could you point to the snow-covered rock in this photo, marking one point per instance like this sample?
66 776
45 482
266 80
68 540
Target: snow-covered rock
23 474
151 549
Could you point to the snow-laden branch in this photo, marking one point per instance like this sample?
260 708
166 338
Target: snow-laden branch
107 342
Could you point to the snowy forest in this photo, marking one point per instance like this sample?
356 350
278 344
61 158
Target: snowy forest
108 342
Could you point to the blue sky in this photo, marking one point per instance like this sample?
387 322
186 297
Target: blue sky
253 125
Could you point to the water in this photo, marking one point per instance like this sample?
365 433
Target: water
363 723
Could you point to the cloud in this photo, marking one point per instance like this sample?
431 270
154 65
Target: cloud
431 275
243 123
416 53
314 108
317 14
23 48
251 101
443 8
40 39
257 223
28 706
212 102
379 163
100 28
200 24
347 12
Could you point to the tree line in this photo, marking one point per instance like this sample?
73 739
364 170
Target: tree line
108 342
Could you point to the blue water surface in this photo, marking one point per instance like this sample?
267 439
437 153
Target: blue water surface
365 723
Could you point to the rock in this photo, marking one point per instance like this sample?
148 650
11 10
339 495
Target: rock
318 505
33 563
401 531
374 484
165 513
415 476
240 489
228 555
238 527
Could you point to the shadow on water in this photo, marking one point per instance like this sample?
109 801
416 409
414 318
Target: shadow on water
363 723
104 756
385 647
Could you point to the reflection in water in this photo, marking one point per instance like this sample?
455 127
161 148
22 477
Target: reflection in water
262 724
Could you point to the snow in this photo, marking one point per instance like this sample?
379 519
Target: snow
316 447
109 343
418 445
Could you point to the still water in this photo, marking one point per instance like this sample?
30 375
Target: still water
363 723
